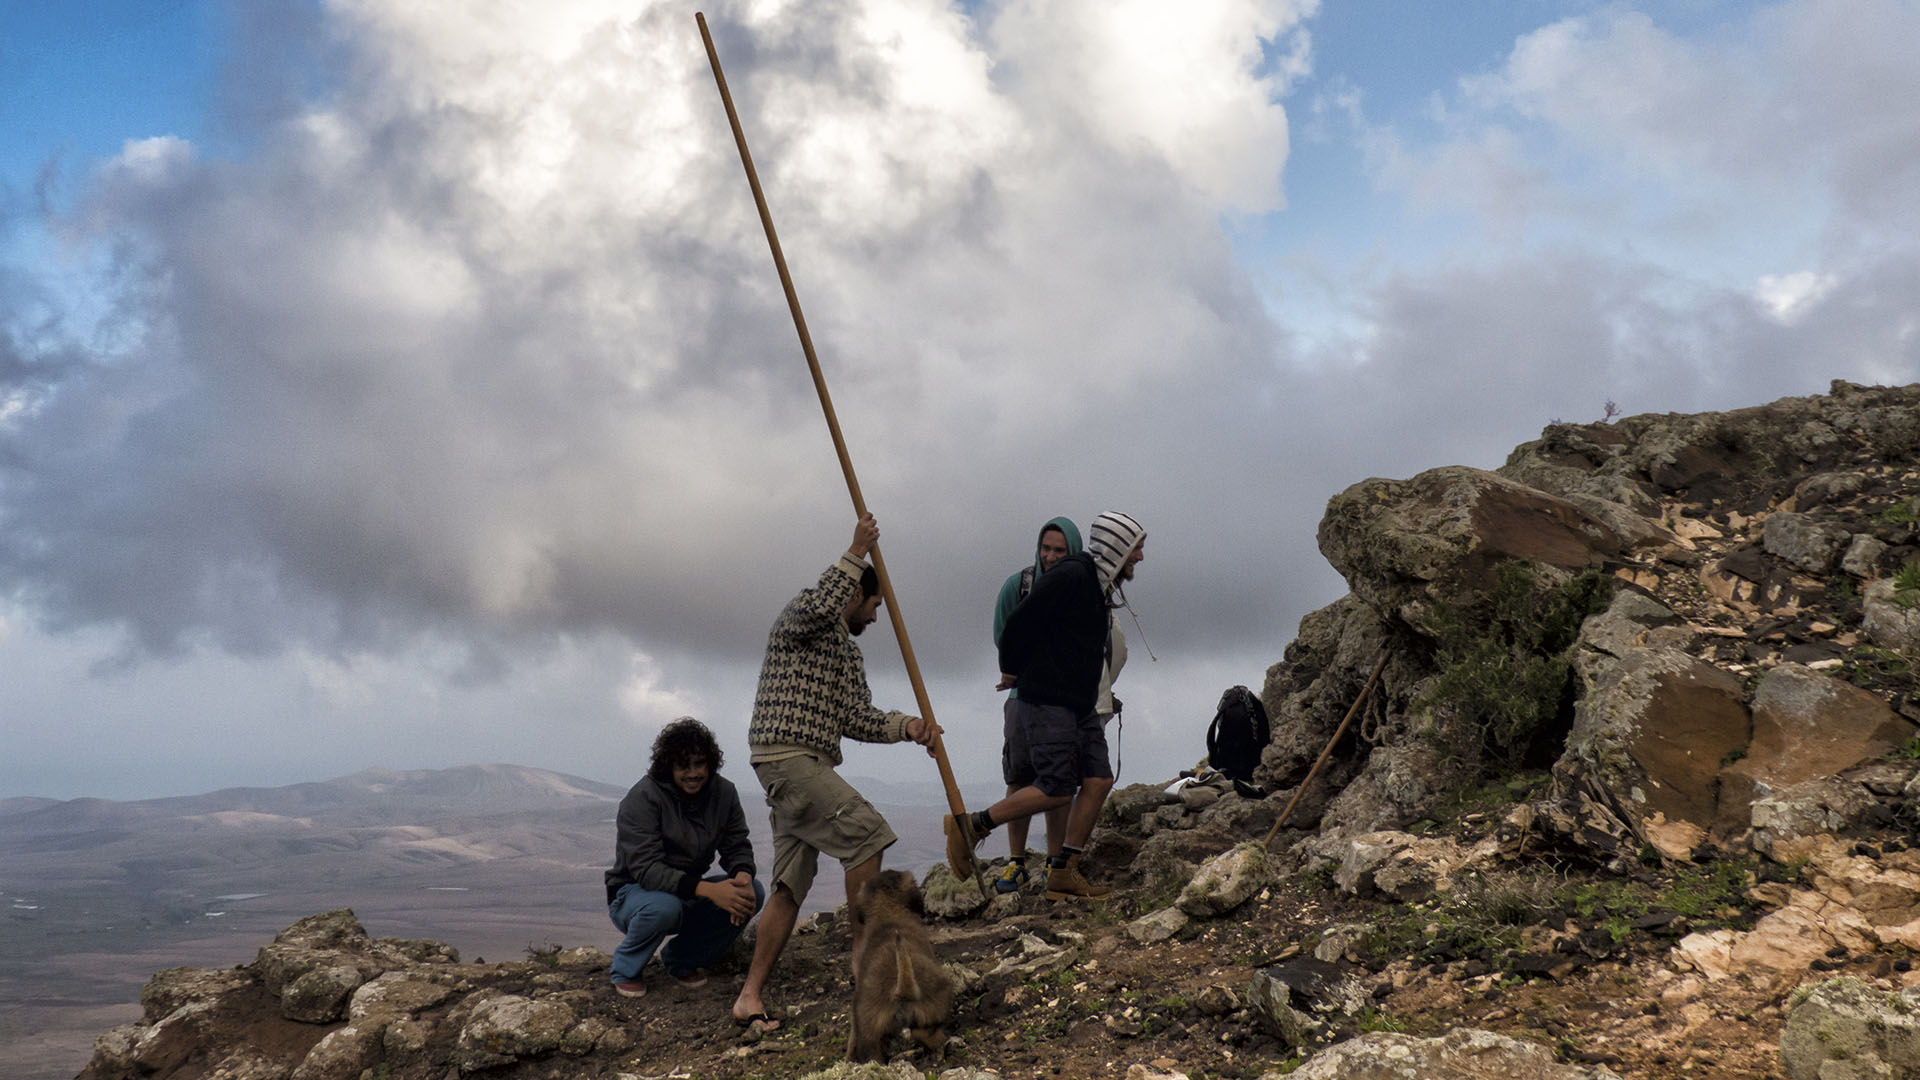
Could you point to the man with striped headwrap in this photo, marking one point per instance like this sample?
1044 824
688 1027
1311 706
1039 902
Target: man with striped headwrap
1053 648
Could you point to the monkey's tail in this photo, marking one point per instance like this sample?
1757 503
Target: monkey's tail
906 985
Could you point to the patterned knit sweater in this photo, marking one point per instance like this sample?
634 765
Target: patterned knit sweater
813 683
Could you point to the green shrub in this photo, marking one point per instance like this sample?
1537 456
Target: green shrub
1906 585
1502 656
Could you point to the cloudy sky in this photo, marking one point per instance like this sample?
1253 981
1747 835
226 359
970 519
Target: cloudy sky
407 383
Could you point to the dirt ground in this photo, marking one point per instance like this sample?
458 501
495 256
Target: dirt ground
1175 1005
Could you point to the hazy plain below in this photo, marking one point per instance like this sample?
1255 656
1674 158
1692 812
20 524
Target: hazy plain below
96 896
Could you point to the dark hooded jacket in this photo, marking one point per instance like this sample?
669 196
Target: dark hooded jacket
1055 641
666 840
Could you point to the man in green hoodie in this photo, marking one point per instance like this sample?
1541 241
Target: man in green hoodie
1054 647
1059 538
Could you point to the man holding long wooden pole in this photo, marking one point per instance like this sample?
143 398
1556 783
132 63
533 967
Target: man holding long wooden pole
959 854
813 692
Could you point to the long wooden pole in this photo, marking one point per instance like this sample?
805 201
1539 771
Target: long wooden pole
954 802
1322 759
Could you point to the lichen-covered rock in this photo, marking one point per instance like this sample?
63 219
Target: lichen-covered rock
1843 1029
1622 628
342 1054
1460 1054
616 1040
405 1039
583 1037
320 996
1808 724
585 956
1862 559
398 993
1364 854
503 1029
1803 540
1168 859
1400 783
170 989
324 940
1891 618
950 897
397 951
113 1050
1225 881
1271 999
175 1038
1652 732
1159 925
1404 545
1127 805
1789 822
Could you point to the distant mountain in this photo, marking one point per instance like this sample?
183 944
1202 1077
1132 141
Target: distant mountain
23 804
372 796
493 859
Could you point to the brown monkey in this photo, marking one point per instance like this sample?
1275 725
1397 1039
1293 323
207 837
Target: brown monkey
900 984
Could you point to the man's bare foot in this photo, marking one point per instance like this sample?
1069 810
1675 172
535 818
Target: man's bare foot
750 1012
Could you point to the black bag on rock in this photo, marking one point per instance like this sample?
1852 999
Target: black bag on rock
1238 733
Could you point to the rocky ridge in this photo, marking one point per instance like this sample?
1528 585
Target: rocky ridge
1634 795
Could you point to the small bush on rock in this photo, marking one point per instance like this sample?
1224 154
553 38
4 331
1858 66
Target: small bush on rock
1502 657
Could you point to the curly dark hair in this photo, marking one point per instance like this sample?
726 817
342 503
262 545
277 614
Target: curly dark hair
680 742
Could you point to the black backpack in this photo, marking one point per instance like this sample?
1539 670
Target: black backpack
1238 733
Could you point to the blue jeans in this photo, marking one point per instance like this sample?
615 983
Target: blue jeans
701 931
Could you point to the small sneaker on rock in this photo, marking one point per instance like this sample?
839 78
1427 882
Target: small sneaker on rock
1011 878
630 989
689 979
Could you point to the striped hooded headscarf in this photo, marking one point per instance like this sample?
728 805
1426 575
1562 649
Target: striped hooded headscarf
1110 539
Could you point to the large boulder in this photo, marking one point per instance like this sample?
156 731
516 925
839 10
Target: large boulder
950 897
1844 1029
329 939
1652 732
1405 545
1399 783
345 1053
1808 724
1225 881
1804 540
320 996
506 1028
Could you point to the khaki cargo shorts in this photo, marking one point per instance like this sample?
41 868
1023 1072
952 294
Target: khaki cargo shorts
815 812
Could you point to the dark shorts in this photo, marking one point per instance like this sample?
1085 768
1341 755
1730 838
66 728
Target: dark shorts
1050 748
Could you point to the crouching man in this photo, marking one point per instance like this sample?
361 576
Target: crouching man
671 825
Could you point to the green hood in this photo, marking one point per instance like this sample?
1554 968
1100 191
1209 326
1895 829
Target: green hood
1067 528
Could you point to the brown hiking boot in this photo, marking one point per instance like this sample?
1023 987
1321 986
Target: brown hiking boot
1067 883
961 841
